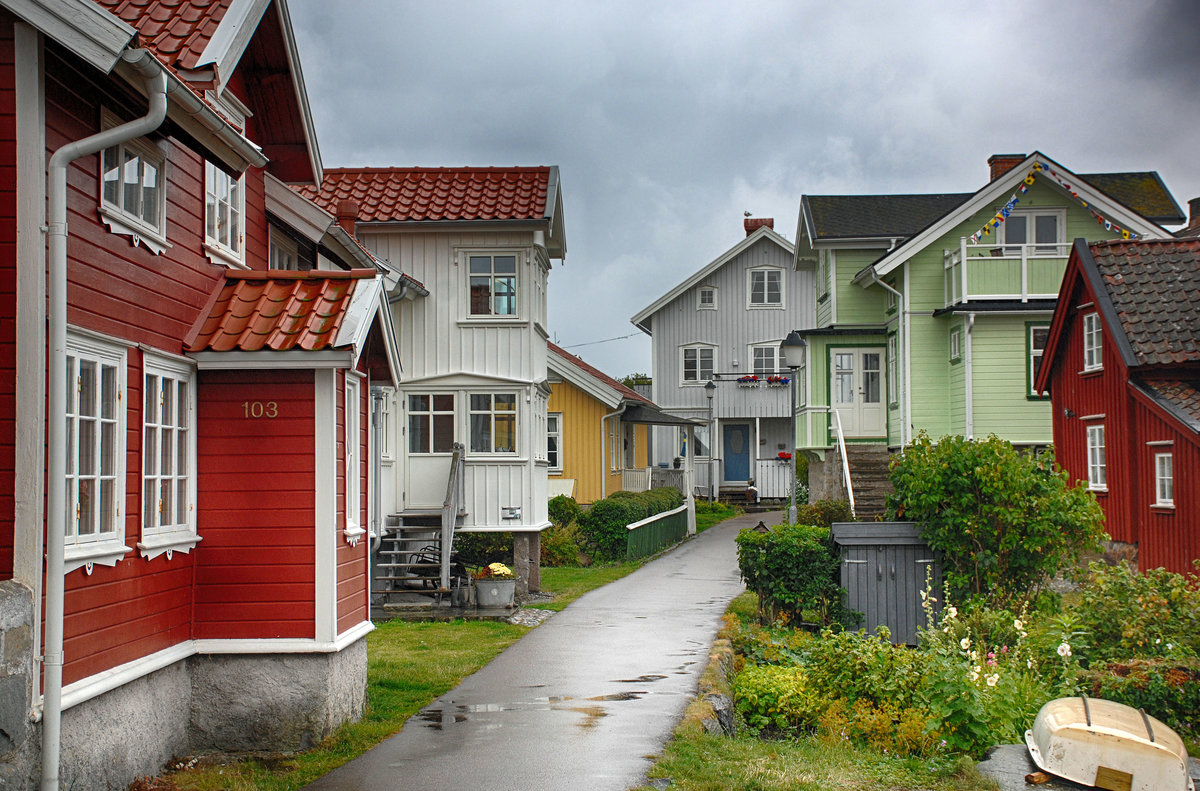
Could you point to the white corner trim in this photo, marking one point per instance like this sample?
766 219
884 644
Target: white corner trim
325 467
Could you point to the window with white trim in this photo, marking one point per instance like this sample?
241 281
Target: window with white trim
764 288
431 423
766 359
554 441
892 358
493 423
1164 480
95 451
283 251
353 423
706 298
493 284
823 272
698 363
1036 336
955 345
168 455
1097 471
224 212
700 433
133 195
1040 231
1092 342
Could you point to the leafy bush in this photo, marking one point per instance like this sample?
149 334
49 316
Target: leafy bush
793 569
563 510
775 700
480 549
602 528
824 513
1005 521
560 546
1126 614
1166 689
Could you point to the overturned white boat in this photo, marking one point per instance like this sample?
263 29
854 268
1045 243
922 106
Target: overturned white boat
1108 745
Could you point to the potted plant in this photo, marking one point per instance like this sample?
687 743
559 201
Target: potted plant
495 586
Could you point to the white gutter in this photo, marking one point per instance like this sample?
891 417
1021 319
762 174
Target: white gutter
604 447
156 85
901 321
970 384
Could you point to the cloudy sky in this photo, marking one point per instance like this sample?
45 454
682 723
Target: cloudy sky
670 119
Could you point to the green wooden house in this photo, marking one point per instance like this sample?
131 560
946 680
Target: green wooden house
933 309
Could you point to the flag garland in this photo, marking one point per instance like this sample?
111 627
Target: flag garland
1041 168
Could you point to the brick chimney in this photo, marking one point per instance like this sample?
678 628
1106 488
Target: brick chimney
347 214
1193 226
754 223
1002 163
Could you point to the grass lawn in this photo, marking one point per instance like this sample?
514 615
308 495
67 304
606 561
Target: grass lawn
707 516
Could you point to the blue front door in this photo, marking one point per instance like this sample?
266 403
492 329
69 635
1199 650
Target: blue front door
737 452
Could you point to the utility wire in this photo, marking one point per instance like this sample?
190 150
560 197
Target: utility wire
606 340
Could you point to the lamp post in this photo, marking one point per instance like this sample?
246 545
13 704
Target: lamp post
792 351
710 389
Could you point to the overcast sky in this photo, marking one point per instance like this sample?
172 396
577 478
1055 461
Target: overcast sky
670 119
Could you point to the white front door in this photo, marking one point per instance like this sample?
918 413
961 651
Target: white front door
429 435
857 391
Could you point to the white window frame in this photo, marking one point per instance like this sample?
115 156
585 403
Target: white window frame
554 430
1096 461
700 303
352 423
176 535
822 273
765 271
153 235
776 362
224 239
492 414
1034 248
700 379
893 344
1035 355
431 414
1164 480
956 344
1093 342
105 547
492 276
283 252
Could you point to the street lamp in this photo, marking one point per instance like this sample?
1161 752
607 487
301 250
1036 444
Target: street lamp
710 389
792 350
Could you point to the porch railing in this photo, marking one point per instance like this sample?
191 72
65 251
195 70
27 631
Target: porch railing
655 532
1019 272
636 480
841 444
450 507
772 477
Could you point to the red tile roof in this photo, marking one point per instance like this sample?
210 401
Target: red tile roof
276 310
177 31
432 194
578 362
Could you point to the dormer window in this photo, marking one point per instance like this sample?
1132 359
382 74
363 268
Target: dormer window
706 298
133 196
493 284
765 288
224 210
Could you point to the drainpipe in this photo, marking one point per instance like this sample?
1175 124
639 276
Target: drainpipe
156 85
604 447
900 319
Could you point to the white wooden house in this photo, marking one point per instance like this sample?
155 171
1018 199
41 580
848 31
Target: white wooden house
465 431
724 324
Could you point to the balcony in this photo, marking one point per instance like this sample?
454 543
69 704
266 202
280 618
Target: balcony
1010 272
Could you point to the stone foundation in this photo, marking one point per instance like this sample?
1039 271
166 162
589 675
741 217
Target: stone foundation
527 563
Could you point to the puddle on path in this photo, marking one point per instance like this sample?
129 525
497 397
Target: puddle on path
440 718
640 679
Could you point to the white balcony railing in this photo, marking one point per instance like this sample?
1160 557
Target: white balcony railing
1017 272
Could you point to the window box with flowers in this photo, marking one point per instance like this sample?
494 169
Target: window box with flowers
783 457
749 380
778 381
495 586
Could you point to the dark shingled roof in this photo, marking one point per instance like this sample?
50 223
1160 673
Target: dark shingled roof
857 216
1179 396
1154 286
1143 192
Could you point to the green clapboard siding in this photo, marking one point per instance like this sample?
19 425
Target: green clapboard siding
999 373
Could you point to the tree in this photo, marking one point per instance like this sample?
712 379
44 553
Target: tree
1006 521
635 378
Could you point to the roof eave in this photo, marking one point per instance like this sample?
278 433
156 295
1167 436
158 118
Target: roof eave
83 27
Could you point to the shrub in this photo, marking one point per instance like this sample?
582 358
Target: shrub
1166 689
560 546
1005 521
824 513
563 510
775 700
480 549
602 529
793 569
1126 614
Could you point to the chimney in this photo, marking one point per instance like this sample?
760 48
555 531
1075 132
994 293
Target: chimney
1002 163
1193 226
347 214
754 223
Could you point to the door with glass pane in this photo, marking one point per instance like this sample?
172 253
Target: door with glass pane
429 420
856 391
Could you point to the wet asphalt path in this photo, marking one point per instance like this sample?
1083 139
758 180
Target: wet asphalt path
583 700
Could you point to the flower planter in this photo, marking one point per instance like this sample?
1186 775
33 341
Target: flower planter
495 593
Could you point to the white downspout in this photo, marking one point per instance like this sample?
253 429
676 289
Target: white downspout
970 384
604 448
156 88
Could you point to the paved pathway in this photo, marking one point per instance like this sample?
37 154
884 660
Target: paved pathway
583 700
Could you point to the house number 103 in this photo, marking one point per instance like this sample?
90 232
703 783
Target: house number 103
260 409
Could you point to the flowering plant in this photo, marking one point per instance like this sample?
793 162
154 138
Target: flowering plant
751 378
777 380
495 571
784 456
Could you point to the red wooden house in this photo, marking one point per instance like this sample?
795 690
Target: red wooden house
1122 364
183 453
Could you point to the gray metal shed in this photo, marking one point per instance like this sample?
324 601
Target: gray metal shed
883 569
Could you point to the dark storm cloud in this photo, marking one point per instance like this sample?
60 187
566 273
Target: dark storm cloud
671 119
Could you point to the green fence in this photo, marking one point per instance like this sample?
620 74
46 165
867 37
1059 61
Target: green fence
656 532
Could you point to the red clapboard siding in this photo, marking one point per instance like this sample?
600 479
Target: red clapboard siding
352 586
254 575
8 295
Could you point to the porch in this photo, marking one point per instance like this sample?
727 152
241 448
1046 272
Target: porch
1008 272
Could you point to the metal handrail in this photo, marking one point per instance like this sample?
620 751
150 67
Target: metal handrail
841 441
454 495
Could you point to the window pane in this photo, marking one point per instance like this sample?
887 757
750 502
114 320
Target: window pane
108 391
87 447
506 296
182 420
181 502
150 503
505 264
108 449
418 433
111 175
131 184
773 290
506 402
443 433
481 402
757 287
443 403
151 406
481 433
418 403
150 463
181 445
87 387
150 194
1046 230
87 506
506 433
481 296
1014 229
481 264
